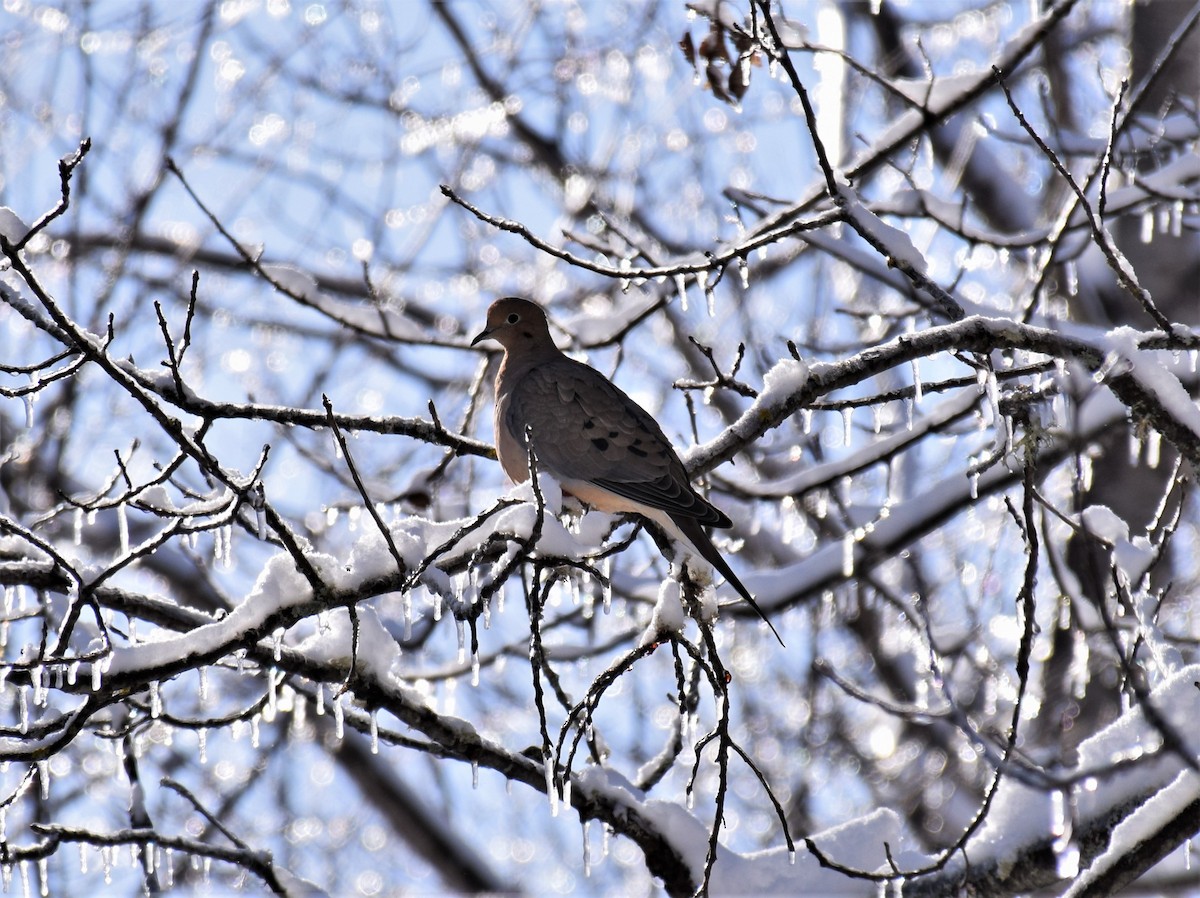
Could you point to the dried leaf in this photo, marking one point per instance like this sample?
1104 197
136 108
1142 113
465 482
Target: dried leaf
713 46
739 78
688 48
715 82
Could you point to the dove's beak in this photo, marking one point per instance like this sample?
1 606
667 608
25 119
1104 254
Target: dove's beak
482 335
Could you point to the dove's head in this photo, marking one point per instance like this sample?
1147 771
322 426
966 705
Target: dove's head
516 324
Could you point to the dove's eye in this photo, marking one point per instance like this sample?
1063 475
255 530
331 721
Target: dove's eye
513 318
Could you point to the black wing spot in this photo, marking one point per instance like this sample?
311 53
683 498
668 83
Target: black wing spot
640 453
588 425
600 443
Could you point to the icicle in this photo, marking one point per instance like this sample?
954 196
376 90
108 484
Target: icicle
1086 470
744 273
462 640
83 853
43 769
202 691
848 554
1153 448
474 668
1077 673
23 702
551 791
921 692
1058 816
993 395
1066 852
437 606
272 708
1147 226
587 849
918 388
223 547
40 680
606 585
1071 272
1135 446
339 719
77 535
123 528
847 426
474 774
277 644
908 414
1058 411
877 419
791 857
155 700
202 745
681 286
974 481
320 700
299 712
1031 264
374 717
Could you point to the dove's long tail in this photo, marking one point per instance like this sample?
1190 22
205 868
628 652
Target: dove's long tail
696 535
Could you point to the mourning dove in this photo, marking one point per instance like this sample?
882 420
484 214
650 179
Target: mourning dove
600 445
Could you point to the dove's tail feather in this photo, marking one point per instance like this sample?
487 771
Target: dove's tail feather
696 535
